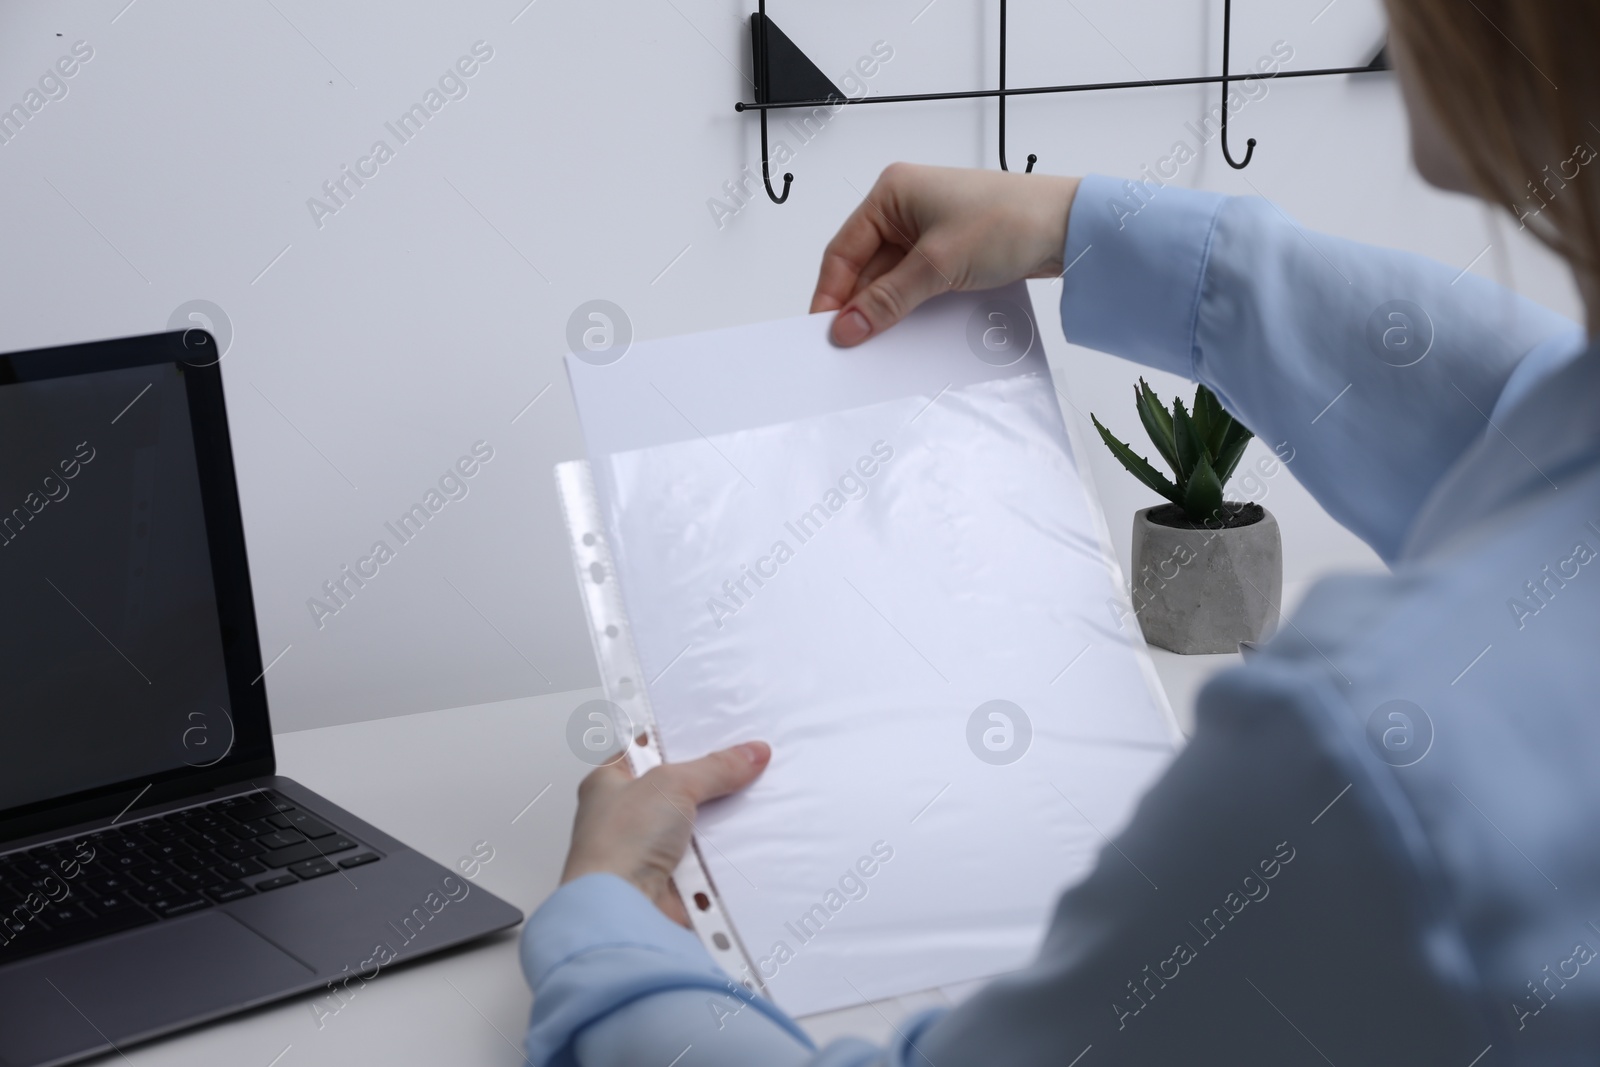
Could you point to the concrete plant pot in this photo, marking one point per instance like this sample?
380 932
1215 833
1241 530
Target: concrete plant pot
1199 589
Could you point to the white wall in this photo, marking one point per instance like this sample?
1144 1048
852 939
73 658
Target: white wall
426 313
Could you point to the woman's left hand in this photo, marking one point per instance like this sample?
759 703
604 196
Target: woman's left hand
638 828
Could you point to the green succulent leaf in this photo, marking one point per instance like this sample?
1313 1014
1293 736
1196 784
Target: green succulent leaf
1191 450
1137 465
1203 447
1237 431
1229 459
1157 423
1220 423
1205 416
1202 496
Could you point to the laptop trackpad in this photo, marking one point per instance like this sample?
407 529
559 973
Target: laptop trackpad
129 986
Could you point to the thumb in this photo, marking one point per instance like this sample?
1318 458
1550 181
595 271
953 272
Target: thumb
720 773
888 299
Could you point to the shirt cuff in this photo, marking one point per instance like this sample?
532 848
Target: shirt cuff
597 944
1136 255
601 911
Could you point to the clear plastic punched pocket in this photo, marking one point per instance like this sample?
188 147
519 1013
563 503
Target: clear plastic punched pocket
885 563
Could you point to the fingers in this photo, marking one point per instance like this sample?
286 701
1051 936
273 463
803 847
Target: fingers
612 775
888 299
670 901
876 268
851 249
881 263
923 231
719 773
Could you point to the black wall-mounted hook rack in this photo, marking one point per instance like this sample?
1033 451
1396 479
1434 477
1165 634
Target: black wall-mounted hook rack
786 78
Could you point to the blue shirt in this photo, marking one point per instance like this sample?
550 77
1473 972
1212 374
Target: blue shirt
1382 844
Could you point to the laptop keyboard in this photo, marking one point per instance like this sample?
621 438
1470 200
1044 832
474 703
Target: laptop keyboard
162 867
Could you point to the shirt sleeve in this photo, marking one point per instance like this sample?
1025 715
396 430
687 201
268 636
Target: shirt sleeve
598 946
1369 370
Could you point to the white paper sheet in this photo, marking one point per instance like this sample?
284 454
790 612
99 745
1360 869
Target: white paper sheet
853 556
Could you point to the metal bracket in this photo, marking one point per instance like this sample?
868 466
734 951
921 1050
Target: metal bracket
783 74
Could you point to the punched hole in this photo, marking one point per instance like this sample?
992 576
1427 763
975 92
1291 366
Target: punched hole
720 939
702 902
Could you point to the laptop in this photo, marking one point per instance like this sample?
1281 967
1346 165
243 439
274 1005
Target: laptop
155 871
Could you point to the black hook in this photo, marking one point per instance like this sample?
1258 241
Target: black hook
1032 159
1250 145
763 72
766 169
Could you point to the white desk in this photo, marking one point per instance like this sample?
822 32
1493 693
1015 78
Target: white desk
442 781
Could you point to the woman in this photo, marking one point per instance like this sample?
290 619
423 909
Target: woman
1382 844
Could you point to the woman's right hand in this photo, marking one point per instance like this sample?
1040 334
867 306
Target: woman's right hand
923 230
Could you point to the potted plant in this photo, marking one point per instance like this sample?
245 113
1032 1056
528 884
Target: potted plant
1207 572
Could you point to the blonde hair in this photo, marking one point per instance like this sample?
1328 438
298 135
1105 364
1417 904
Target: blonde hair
1516 88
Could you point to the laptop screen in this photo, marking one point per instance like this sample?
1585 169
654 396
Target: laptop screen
111 651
